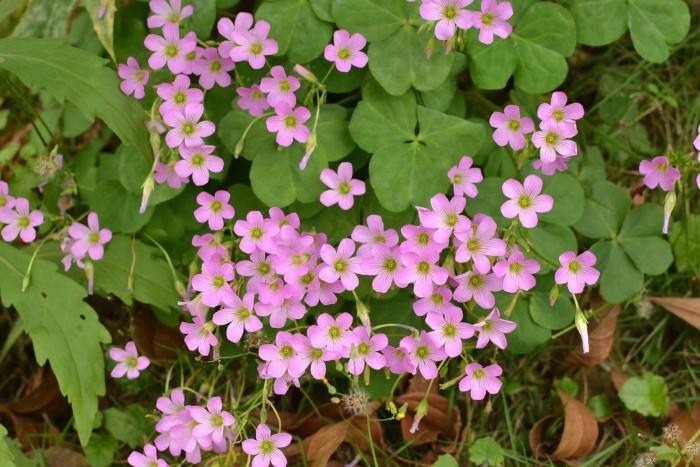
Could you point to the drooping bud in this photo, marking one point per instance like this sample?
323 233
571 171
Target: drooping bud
310 148
148 187
554 295
421 411
90 275
306 74
669 205
362 311
582 327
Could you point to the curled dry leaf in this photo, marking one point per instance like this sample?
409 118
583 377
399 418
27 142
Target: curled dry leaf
601 339
438 420
578 438
321 445
687 309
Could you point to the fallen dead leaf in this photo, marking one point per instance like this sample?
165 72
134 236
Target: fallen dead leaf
154 339
601 339
687 420
61 456
321 445
578 437
687 309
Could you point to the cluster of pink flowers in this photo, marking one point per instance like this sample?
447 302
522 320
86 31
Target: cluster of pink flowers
557 127
84 244
452 15
16 218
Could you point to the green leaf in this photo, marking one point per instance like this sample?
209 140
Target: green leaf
486 451
446 460
334 222
6 456
604 211
150 275
646 394
101 450
685 239
600 406
568 199
651 255
400 61
203 19
298 31
567 385
322 8
72 74
122 216
653 25
334 141
492 65
102 15
64 330
489 200
45 18
551 317
549 241
528 336
129 426
619 279
599 22
440 98
374 19
642 221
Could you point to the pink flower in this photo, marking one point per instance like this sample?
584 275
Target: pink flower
173 408
165 173
170 49
89 240
239 316
493 329
289 125
198 162
479 287
280 88
576 271
449 14
516 271
257 233
20 221
525 200
552 140
211 421
149 458
133 78
199 335
448 330
340 264
7 202
374 235
186 128
696 142
492 20
479 380
438 302
478 242
560 164
265 448
214 209
385 264
332 334
282 356
178 94
659 172
253 100
213 283
167 12
129 362
212 68
342 186
346 51
464 178
557 110
253 45
423 352
420 240
510 127
366 350
443 217
398 361
315 358
243 24
290 308
422 271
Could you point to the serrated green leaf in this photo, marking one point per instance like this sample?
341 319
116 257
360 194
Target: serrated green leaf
72 74
599 22
300 34
101 450
604 211
486 451
64 330
653 25
129 426
401 61
150 275
446 460
646 394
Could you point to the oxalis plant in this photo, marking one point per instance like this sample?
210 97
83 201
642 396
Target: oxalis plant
297 188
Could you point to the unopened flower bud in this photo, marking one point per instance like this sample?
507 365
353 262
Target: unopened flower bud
669 205
90 275
554 295
148 187
421 411
362 312
310 148
582 327
306 74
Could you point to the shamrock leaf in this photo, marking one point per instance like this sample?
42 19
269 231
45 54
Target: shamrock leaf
544 34
653 25
629 244
413 147
398 52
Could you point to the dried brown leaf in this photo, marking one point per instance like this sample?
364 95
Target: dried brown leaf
601 339
154 339
539 447
687 309
580 430
687 420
